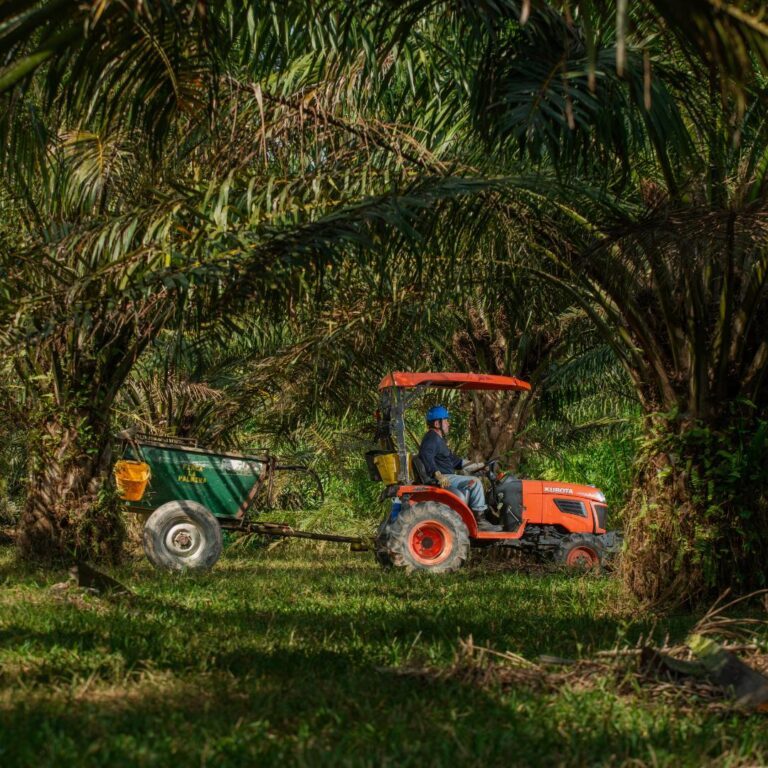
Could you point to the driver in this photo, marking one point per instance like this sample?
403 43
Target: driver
442 464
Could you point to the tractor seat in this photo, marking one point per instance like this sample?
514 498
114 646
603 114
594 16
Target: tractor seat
421 476
420 472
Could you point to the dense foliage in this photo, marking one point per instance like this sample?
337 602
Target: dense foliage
228 218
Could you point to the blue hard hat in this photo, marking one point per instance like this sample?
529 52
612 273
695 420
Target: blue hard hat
437 412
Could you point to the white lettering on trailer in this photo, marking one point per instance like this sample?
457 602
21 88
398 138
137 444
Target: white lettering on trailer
551 489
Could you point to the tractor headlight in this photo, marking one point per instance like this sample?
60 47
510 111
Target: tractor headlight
600 496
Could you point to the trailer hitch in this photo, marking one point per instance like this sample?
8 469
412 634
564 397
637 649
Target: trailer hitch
283 530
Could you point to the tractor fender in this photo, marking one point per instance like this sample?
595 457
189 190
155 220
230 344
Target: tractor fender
421 493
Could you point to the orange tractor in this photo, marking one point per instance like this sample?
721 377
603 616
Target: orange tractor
432 529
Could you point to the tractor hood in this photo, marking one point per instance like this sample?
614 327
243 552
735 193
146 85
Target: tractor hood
571 489
552 488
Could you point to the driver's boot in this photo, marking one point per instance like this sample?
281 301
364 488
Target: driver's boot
485 525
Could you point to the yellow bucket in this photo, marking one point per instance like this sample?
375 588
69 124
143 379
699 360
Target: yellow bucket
131 478
388 465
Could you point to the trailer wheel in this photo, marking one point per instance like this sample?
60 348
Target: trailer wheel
580 551
427 537
182 535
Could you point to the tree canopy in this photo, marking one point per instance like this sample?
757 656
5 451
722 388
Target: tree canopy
296 197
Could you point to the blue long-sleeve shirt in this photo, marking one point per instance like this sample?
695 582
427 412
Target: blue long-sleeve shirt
437 456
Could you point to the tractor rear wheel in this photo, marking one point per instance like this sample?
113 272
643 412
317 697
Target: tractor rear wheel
380 548
427 537
182 535
580 551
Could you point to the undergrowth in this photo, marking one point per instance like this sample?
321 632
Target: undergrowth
606 461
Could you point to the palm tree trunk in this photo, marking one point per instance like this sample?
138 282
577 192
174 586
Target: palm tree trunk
496 424
69 512
498 418
698 516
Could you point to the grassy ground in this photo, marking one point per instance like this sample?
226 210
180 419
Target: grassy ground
289 657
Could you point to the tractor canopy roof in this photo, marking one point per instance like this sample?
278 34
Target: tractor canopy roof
463 381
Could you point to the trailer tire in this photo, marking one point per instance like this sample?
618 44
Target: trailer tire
427 537
580 551
181 536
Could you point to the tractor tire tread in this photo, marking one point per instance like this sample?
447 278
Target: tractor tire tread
380 549
574 540
394 538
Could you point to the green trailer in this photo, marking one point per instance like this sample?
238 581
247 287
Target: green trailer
189 495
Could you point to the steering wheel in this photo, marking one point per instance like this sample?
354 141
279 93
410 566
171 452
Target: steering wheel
491 465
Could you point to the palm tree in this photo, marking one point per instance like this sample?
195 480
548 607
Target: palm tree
678 290
663 246
124 226
254 371
573 104
648 209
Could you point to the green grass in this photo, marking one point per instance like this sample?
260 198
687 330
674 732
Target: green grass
288 656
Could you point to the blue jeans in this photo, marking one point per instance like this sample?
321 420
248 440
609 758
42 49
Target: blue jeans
470 489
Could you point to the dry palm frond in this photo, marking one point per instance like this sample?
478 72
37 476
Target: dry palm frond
715 622
643 670
646 673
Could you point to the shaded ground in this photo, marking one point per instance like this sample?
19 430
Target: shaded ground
288 656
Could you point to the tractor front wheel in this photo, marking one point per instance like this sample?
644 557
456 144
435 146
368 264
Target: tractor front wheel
580 551
182 535
426 537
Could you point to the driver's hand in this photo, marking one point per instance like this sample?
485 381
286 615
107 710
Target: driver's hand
442 480
473 467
